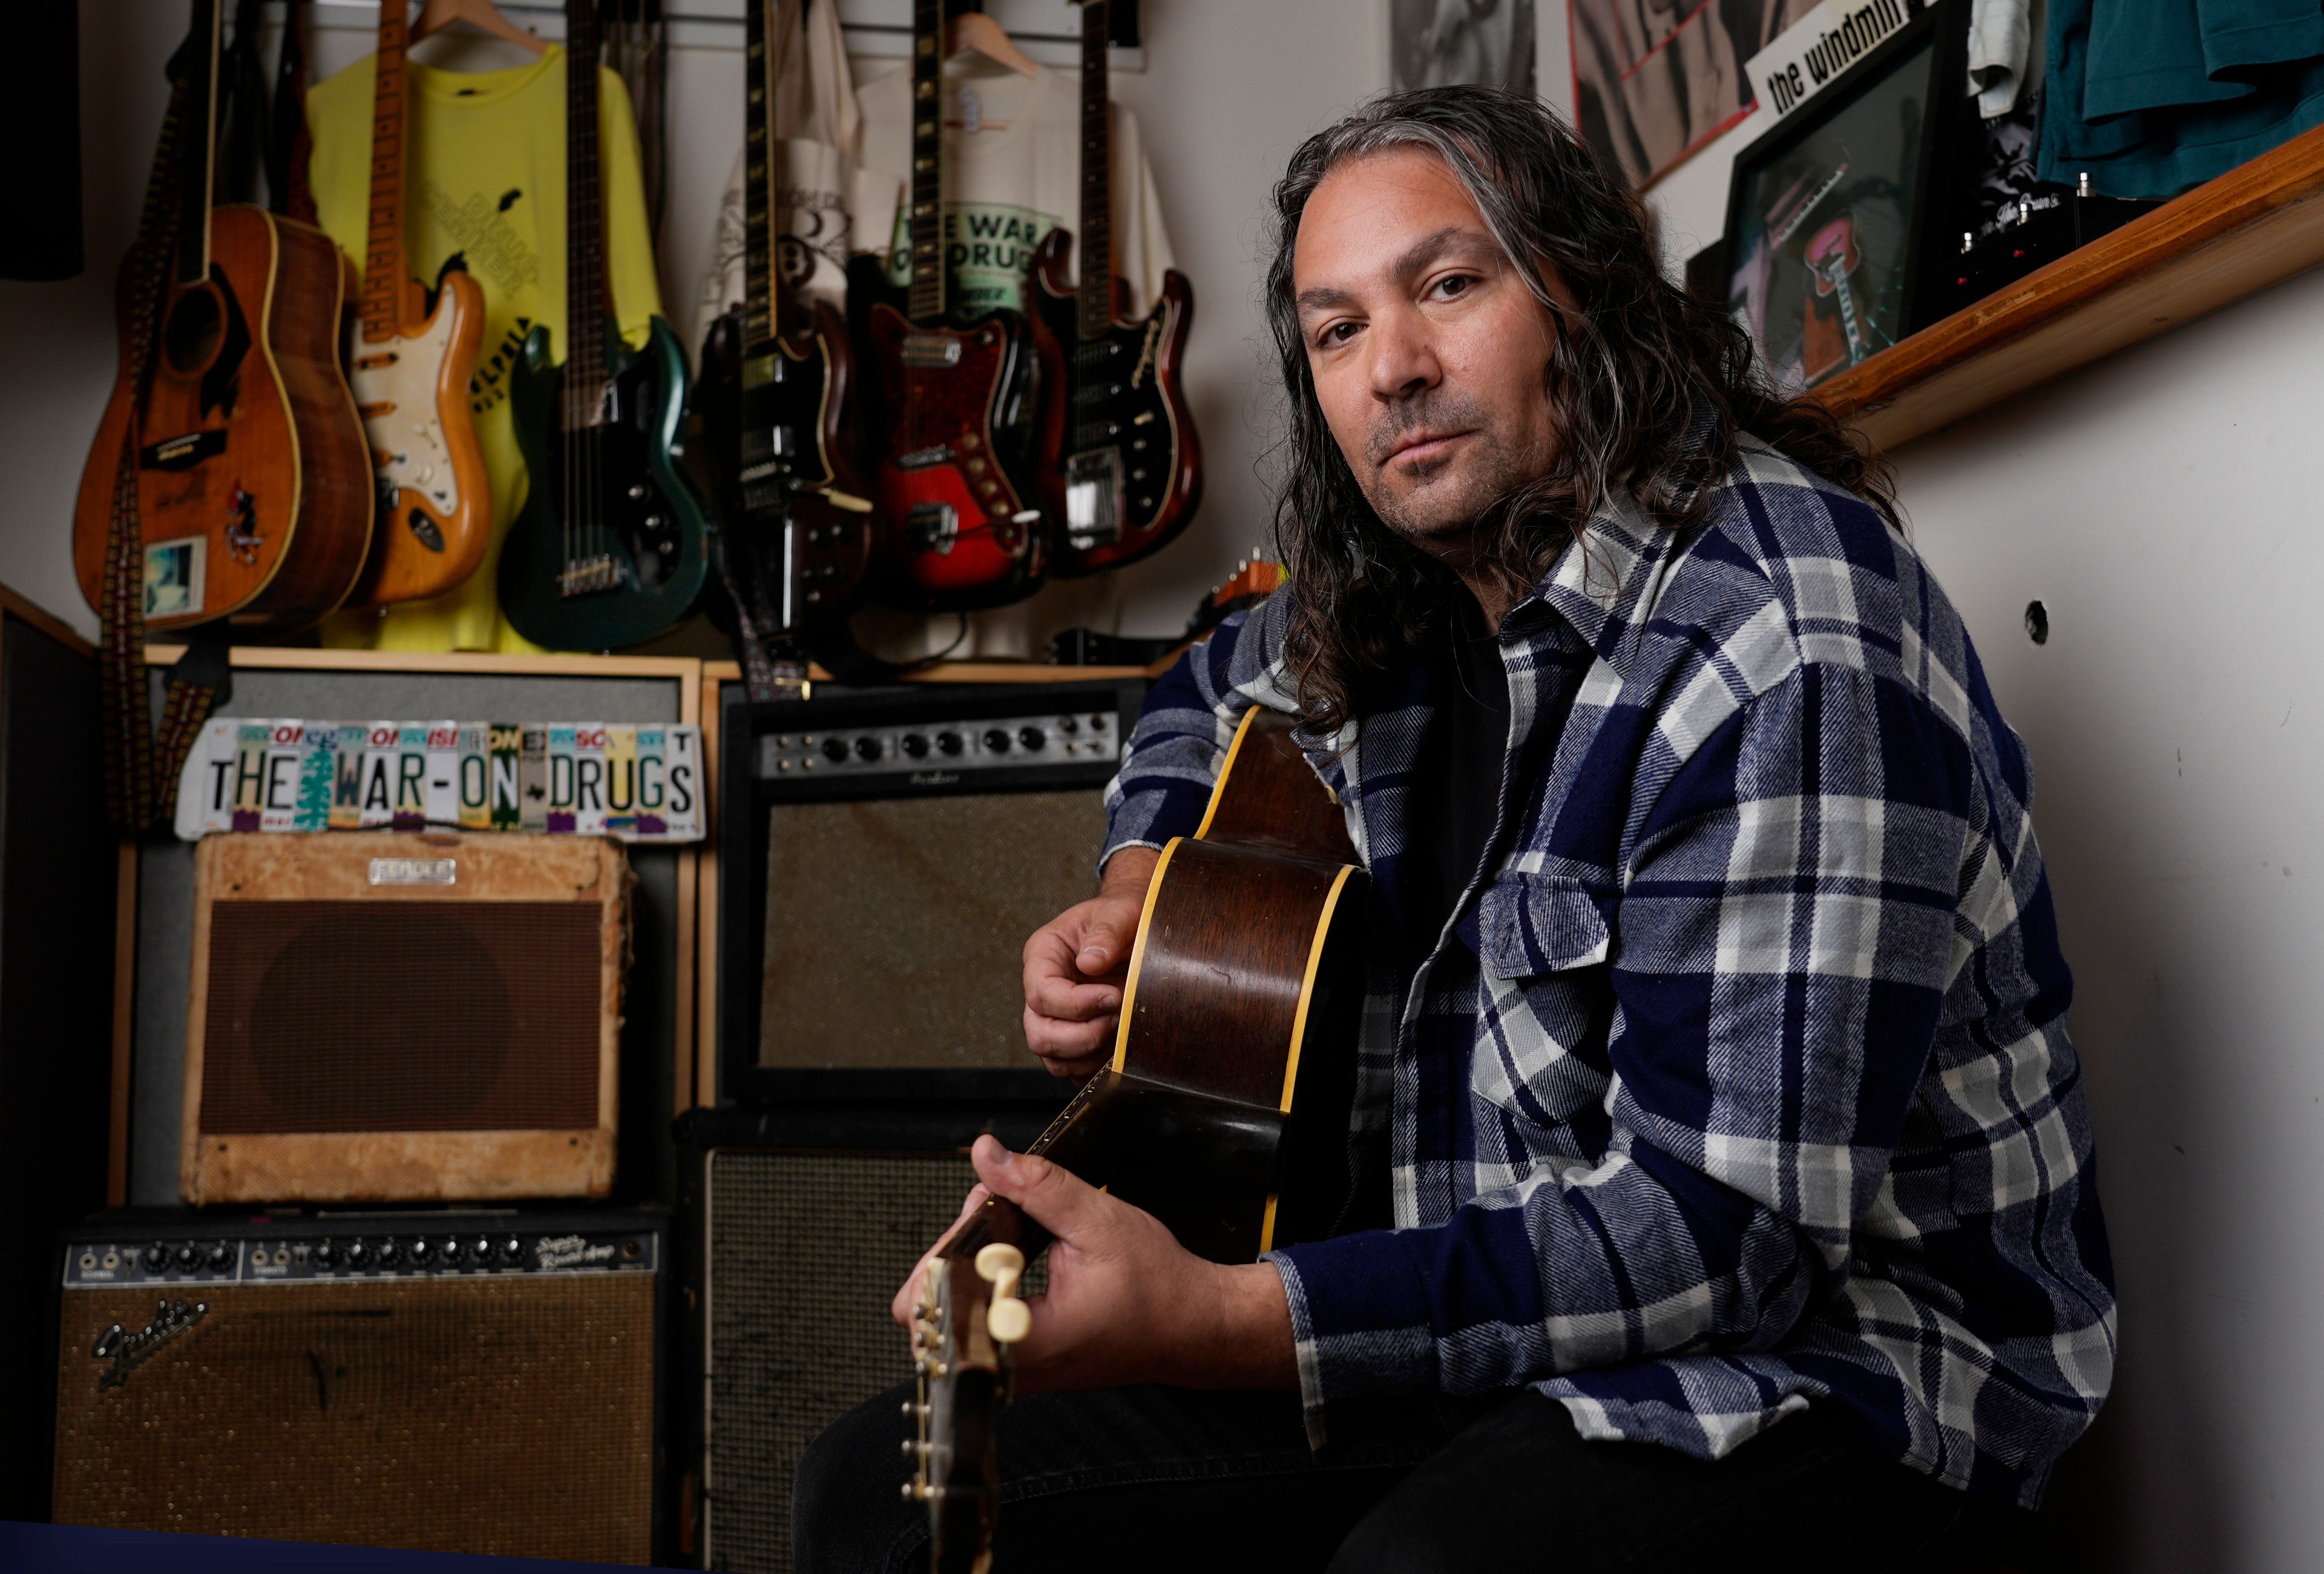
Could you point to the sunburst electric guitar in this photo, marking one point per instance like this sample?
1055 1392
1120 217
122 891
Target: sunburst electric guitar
409 364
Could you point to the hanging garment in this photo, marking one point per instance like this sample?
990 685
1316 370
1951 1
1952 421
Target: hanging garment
2150 97
484 183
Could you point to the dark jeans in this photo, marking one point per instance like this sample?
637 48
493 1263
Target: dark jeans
1167 1478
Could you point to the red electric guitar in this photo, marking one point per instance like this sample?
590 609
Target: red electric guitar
972 413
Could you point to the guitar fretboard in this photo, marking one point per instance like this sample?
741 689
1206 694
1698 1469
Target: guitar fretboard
193 242
384 245
760 253
1095 291
926 223
585 222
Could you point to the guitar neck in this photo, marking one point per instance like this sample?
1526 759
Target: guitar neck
384 248
200 172
1096 292
927 220
585 222
762 257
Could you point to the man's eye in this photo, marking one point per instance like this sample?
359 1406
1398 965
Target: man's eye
1454 284
1338 333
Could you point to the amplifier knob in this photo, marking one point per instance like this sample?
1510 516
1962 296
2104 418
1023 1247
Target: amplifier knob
452 1249
222 1256
357 1254
483 1248
834 749
867 748
157 1257
996 740
511 1250
1097 724
914 745
1068 725
947 743
189 1257
390 1252
326 1253
422 1250
1032 737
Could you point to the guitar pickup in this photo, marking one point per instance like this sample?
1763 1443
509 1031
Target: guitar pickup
922 459
931 350
1094 497
182 453
932 527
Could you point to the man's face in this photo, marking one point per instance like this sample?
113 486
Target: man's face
1429 354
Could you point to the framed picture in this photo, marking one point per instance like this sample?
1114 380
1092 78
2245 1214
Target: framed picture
1828 238
1655 80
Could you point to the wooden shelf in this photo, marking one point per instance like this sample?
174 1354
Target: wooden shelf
2256 225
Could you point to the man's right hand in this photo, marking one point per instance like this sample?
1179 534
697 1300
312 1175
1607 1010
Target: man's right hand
1075 965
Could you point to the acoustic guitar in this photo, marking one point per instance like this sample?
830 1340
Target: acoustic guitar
1132 471
612 546
1225 1112
409 363
794 526
253 497
971 412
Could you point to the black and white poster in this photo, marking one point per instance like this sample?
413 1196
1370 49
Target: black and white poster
1654 80
1433 43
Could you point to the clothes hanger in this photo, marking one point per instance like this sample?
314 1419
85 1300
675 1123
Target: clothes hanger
481 14
975 32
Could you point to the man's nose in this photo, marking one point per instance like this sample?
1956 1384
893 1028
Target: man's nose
1403 358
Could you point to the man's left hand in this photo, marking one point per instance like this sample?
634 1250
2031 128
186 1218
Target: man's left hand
1127 1304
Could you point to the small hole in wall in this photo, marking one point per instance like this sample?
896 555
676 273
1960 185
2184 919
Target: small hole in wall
2037 622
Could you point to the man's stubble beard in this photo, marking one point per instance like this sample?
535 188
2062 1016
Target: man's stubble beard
1443 511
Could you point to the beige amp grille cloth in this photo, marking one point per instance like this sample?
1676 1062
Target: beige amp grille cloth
896 928
511 1416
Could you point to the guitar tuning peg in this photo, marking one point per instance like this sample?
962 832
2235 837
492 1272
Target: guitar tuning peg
1001 1265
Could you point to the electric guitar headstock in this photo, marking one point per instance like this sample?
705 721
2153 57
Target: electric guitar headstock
969 1319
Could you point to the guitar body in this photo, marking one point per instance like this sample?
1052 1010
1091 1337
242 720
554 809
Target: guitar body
255 496
778 423
1225 1112
1130 439
970 420
609 499
435 504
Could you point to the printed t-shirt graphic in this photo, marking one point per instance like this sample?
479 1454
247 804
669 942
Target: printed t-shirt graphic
484 181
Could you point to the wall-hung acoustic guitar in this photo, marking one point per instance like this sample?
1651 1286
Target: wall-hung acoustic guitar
254 489
1224 1113
612 546
1131 473
971 412
795 525
409 364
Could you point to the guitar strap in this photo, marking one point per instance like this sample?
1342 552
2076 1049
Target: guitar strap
141 773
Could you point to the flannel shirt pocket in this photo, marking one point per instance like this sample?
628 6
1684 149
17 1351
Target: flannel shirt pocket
1532 925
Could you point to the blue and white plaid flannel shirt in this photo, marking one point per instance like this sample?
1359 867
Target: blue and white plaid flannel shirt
1739 1079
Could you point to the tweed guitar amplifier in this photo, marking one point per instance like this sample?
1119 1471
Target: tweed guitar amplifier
468 1382
385 1016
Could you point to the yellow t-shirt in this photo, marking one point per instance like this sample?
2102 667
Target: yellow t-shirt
484 179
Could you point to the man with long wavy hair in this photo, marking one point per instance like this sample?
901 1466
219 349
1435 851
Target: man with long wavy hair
1729 1177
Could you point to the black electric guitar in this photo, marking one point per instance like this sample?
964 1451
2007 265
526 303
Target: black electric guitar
795 536
1224 1113
970 411
612 546
1131 472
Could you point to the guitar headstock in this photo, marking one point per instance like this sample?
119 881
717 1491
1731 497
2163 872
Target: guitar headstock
970 1317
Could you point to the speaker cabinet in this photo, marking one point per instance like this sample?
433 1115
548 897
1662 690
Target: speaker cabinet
468 1382
404 1017
802 1224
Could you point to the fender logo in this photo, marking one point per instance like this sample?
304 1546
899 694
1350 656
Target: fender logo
129 1351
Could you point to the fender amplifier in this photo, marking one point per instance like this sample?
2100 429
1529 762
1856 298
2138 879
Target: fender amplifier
389 1017
472 1381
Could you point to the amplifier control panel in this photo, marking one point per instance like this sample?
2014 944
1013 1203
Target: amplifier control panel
470 1247
982 744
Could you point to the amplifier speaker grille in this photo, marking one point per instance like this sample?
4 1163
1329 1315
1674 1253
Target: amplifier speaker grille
896 927
805 1253
312 1007
511 1416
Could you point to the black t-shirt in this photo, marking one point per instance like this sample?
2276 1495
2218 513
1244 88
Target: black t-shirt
1456 784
